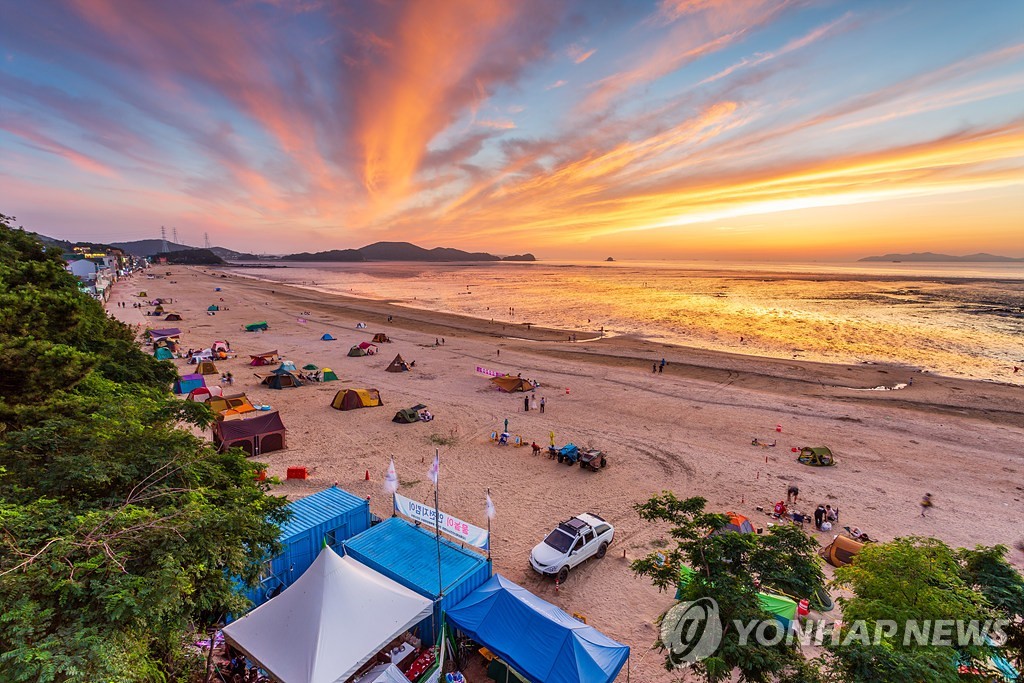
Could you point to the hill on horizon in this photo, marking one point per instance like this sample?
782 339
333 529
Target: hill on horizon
401 251
929 257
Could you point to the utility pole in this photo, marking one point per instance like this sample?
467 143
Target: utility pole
163 239
174 231
206 240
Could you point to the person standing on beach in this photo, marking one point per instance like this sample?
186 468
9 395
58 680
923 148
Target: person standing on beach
654 367
533 403
526 404
926 503
543 402
792 494
506 424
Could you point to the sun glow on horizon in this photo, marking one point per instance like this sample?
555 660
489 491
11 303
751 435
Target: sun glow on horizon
568 130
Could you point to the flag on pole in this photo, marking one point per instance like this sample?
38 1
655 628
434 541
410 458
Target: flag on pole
391 479
435 469
490 507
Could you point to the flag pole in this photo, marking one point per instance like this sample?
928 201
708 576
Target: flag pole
488 528
437 529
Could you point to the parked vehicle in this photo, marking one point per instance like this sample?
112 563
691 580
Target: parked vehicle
569 454
570 544
593 460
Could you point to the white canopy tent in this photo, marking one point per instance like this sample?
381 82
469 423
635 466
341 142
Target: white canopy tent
328 623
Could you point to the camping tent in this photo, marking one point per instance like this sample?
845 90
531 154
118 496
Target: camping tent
285 366
253 327
397 365
172 332
187 383
816 456
163 353
173 316
203 394
537 639
384 673
380 338
330 622
355 351
213 307
737 523
238 404
408 415
328 376
219 346
263 358
261 433
779 606
282 379
327 337
158 309
840 551
510 384
206 367
310 366
350 399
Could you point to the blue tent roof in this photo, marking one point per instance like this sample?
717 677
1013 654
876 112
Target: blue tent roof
327 337
540 641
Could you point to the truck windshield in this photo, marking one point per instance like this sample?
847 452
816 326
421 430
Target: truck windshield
559 540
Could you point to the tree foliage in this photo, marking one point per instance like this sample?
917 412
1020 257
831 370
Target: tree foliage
731 568
119 530
906 581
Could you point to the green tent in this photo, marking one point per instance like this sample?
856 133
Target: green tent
163 353
213 307
779 606
406 416
310 366
252 327
328 376
816 456
355 351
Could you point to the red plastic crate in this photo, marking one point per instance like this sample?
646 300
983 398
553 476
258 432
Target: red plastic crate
297 473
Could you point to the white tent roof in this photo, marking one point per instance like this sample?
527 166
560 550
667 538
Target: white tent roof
328 623
384 673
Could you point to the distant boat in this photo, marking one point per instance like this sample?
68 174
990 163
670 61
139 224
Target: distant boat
609 259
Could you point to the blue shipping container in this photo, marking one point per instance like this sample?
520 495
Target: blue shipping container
407 554
332 516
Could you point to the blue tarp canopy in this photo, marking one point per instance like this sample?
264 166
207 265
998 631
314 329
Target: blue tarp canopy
538 640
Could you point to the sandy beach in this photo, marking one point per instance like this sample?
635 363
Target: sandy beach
688 430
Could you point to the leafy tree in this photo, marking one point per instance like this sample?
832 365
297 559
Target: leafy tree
988 571
730 568
119 529
907 581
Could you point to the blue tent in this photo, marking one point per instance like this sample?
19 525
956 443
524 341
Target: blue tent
327 337
538 640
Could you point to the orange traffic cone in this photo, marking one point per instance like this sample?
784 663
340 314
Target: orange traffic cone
367 475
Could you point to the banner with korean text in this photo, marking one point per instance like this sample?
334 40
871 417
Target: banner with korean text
454 527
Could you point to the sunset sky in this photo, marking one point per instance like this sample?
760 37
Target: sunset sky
680 129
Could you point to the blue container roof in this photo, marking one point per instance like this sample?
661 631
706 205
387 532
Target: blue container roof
322 506
410 552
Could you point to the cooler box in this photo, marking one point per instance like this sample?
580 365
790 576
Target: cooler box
297 473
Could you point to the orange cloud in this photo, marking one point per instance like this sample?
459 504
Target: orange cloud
579 54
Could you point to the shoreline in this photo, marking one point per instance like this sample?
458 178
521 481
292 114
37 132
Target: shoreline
831 379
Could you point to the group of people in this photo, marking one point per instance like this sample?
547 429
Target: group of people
659 367
227 379
530 403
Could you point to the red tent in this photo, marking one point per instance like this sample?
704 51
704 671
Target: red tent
261 433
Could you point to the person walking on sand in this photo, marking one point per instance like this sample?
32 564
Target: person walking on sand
926 503
654 367
533 403
543 402
792 494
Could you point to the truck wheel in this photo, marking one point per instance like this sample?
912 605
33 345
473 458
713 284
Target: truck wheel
602 550
563 574
559 458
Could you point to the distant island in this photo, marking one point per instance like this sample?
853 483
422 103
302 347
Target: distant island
401 251
929 257
610 259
